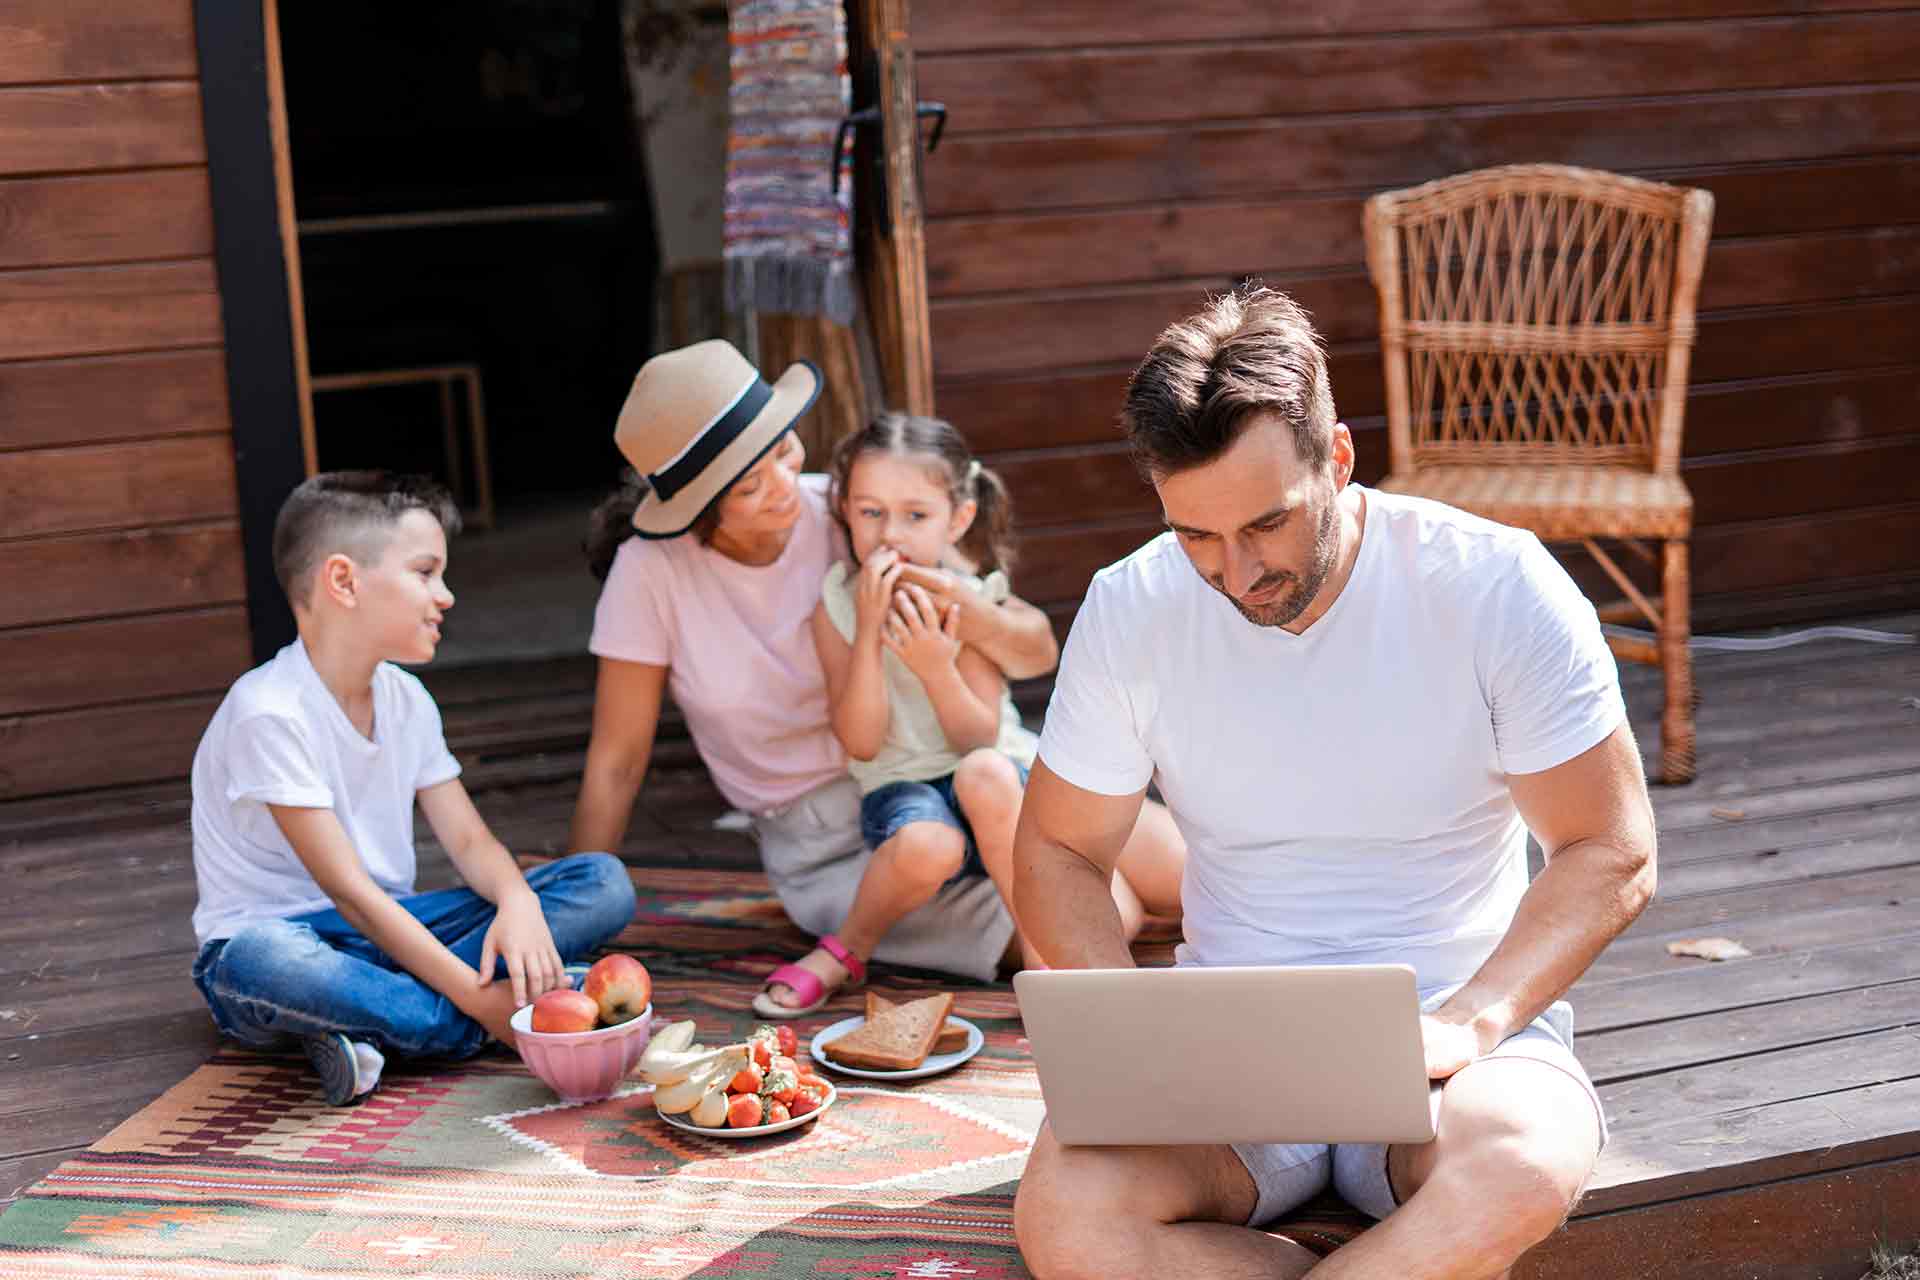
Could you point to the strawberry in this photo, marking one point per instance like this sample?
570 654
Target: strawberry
744 1111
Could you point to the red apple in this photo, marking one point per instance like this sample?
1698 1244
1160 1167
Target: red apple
620 986
563 1011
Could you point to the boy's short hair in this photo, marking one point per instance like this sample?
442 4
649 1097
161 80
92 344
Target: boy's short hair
1250 351
353 512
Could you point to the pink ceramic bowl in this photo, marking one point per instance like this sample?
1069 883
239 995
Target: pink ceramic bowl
582 1066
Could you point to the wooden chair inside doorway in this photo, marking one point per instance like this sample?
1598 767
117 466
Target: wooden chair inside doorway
1536 323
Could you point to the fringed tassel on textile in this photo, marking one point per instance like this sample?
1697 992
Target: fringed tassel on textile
775 281
789 245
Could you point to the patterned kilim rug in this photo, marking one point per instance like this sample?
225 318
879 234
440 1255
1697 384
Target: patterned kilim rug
477 1170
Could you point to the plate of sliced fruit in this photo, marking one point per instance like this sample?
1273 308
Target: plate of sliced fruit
743 1090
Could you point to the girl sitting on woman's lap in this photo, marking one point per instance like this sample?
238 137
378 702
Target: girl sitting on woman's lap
936 745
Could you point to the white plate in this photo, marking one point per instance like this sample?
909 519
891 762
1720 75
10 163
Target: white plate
758 1130
933 1066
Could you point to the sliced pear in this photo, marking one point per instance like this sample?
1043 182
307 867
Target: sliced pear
685 1095
674 1066
666 1051
711 1111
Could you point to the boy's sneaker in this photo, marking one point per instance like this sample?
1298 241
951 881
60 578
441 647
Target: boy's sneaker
349 1070
576 973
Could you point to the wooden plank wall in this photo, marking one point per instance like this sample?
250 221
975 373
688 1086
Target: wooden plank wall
121 614
1109 162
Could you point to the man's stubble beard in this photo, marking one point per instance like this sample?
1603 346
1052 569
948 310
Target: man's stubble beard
1326 553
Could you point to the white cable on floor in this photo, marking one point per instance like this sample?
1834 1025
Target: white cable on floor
1752 644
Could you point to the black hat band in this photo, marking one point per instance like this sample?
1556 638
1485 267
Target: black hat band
685 469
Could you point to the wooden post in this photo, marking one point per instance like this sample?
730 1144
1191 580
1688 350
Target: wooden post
896 257
289 231
842 408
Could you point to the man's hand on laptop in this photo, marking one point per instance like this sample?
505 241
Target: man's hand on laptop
1449 1045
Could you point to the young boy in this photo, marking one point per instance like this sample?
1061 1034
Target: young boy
303 793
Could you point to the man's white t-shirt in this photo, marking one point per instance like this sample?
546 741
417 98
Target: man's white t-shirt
1343 792
280 737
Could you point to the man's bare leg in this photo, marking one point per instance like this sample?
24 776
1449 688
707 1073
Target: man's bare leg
1517 1141
1108 1213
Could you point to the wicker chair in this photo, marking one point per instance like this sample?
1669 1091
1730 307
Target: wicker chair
1536 323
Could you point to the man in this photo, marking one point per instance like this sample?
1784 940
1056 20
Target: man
1356 706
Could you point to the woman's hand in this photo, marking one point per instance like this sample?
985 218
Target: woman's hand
1015 636
873 591
949 592
519 935
926 637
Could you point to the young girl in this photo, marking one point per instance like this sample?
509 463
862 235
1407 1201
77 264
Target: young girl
935 742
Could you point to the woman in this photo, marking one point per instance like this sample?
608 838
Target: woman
713 599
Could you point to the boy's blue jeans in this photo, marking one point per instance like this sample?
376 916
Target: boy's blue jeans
312 974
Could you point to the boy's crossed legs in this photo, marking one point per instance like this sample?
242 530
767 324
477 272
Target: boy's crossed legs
315 977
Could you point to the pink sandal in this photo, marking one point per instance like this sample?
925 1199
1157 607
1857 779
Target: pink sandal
807 985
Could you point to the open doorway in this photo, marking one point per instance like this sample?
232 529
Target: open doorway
483 269
490 215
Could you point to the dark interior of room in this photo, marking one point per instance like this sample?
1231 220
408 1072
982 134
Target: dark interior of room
470 190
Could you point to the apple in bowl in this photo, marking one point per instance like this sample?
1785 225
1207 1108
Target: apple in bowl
565 1038
564 1012
619 986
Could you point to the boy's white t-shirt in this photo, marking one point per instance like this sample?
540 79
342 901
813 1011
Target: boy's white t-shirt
1343 792
280 737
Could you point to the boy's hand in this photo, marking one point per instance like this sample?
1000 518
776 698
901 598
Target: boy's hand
925 637
873 590
519 935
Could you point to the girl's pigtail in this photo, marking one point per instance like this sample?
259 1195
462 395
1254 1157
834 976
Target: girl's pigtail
989 540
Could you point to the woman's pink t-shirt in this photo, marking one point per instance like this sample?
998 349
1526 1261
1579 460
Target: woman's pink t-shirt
737 642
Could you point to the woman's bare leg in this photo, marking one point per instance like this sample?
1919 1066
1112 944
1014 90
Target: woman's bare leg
903 875
1154 859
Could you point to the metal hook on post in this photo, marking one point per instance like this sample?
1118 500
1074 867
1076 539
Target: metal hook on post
934 111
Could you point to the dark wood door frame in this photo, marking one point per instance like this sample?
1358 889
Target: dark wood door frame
258 270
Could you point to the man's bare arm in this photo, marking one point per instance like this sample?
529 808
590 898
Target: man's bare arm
1064 854
1594 821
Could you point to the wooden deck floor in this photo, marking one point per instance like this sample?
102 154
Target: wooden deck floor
1765 1111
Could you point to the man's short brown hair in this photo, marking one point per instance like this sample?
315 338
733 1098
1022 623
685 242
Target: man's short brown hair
352 512
1248 352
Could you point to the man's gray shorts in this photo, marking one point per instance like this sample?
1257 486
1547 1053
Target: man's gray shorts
1287 1175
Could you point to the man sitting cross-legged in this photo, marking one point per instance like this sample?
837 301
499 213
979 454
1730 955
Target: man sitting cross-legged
1356 706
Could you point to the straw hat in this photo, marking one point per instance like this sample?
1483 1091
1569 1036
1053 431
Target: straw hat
696 420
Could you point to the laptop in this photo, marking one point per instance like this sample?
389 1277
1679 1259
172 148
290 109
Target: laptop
1232 1054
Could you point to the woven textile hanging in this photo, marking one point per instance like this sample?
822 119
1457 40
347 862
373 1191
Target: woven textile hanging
788 237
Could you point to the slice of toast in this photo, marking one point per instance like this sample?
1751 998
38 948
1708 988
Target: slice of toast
898 1039
952 1038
